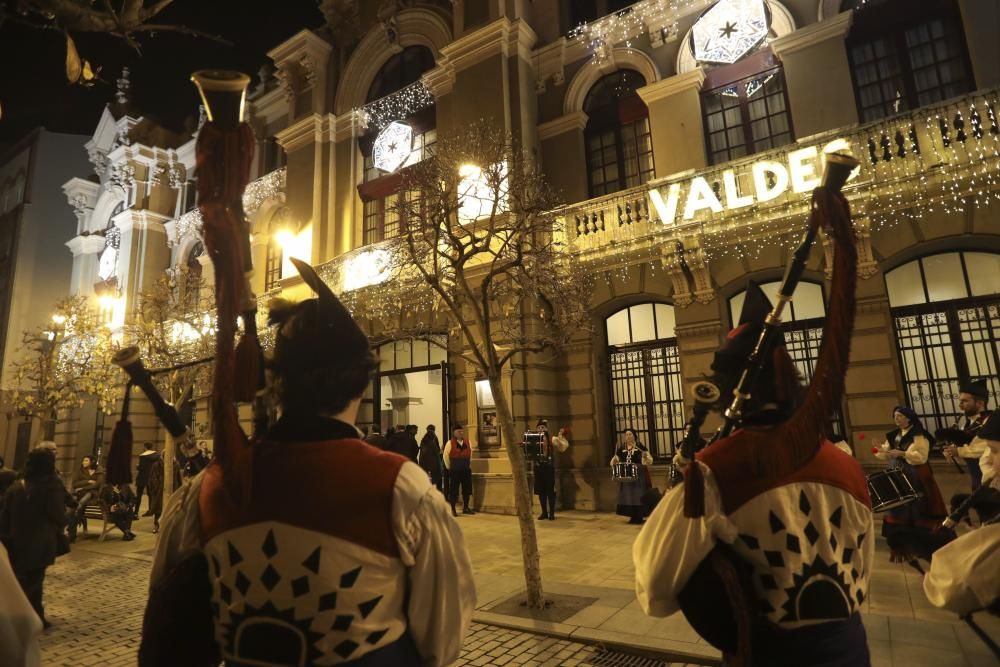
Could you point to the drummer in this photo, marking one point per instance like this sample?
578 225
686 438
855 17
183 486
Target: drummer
906 448
630 491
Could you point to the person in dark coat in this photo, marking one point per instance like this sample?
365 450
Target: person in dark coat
376 439
429 457
402 442
118 499
7 477
154 487
31 520
146 461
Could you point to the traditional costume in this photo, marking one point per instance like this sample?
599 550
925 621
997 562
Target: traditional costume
631 490
767 546
970 448
344 554
458 462
910 525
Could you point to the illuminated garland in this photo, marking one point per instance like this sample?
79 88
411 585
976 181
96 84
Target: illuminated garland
397 106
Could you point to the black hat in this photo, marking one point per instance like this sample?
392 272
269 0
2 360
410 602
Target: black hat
741 340
991 429
316 333
976 388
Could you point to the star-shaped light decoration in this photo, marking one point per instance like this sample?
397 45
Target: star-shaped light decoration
392 146
729 30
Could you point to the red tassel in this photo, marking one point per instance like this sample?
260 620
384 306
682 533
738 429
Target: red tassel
119 466
694 491
246 371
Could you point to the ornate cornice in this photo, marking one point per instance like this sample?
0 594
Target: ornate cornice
141 220
305 53
90 244
501 37
576 120
814 33
671 86
698 329
303 132
439 80
348 125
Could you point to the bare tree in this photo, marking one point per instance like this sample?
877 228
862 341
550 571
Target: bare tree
481 238
63 364
173 325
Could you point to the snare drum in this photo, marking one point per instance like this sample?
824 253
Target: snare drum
625 472
890 489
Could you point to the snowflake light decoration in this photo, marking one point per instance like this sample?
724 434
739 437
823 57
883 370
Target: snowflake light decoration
392 146
729 30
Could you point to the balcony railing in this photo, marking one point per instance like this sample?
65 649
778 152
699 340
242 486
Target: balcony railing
940 155
268 186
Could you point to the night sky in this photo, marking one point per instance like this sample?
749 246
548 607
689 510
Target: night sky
34 91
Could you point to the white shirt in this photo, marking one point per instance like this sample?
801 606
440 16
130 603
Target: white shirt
431 579
916 454
965 574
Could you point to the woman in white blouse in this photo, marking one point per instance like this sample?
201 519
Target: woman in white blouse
907 448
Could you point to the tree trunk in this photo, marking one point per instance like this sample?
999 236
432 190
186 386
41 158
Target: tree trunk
168 465
522 497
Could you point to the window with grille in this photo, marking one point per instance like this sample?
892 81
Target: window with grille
747 116
618 143
645 379
906 55
946 316
272 267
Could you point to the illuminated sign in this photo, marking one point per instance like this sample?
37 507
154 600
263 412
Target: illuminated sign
729 30
369 267
479 192
685 199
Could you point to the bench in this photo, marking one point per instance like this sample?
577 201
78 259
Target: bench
96 511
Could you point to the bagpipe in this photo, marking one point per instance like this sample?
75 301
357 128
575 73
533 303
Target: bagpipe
719 600
224 154
951 436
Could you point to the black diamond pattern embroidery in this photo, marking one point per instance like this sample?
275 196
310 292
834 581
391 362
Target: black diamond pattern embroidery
861 596
833 541
342 623
300 586
376 637
811 532
235 557
312 563
774 558
270 578
349 578
327 601
368 607
270 546
854 575
776 524
792 543
750 541
861 538
848 555
242 583
768 582
216 566
804 503
345 648
226 593
836 516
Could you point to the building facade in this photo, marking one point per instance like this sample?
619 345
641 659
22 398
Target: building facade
685 137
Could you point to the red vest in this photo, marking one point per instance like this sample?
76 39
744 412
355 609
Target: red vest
456 453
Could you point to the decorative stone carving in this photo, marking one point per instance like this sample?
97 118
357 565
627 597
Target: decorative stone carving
286 84
123 84
867 265
202 116
156 171
123 176
175 174
99 159
308 67
694 257
673 262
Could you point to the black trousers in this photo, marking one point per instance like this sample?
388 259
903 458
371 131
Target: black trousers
31 583
463 479
140 488
545 487
122 520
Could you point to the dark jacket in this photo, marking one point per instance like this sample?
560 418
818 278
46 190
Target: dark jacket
32 517
377 440
7 478
404 444
146 461
430 452
88 481
122 500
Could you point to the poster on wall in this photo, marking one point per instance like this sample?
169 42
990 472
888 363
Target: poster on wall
489 429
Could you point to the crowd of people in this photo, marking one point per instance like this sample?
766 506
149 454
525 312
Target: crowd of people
365 563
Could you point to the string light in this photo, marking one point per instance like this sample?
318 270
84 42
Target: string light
397 106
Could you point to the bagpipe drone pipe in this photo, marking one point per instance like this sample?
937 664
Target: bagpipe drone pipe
719 601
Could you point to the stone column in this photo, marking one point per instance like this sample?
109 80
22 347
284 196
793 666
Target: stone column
818 75
981 21
675 122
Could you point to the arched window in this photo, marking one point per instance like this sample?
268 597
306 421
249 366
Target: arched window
946 312
905 55
272 265
619 149
411 385
380 189
803 329
644 371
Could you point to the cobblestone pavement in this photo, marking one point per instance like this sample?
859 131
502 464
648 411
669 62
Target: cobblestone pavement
95 601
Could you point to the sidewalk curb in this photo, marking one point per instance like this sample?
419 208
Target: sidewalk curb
661 649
